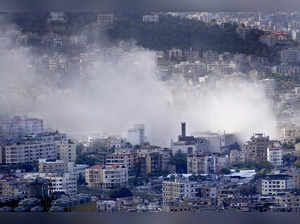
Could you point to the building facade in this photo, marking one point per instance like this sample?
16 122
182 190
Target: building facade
31 148
136 135
270 185
255 150
66 150
106 177
21 125
274 156
179 190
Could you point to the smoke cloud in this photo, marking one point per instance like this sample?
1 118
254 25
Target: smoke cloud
121 88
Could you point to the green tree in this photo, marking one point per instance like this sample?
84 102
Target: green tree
120 193
225 171
297 163
180 162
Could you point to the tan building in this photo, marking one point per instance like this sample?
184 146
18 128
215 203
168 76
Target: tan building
151 162
57 166
296 177
46 145
28 151
179 207
289 200
205 163
289 133
236 156
179 190
256 149
58 182
197 164
106 177
122 159
11 187
66 150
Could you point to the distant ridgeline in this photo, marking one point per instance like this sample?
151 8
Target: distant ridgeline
175 32
170 32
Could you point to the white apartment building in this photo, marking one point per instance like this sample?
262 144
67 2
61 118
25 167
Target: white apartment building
46 145
178 190
275 184
106 177
206 163
274 156
28 150
136 135
59 182
151 18
60 166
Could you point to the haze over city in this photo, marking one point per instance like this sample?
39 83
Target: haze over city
137 106
116 92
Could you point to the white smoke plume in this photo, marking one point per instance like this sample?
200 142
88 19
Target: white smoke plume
114 93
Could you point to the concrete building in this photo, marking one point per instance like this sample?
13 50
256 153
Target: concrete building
274 156
60 166
20 126
30 149
106 206
151 18
236 156
198 164
214 141
178 190
270 185
58 182
290 55
206 163
256 149
13 187
106 177
46 145
296 35
295 173
122 159
66 150
57 166
189 144
57 17
288 201
105 19
289 133
136 135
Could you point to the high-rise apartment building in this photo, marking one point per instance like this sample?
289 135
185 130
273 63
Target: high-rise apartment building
136 135
46 145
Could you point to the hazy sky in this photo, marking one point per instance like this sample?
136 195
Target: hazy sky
169 5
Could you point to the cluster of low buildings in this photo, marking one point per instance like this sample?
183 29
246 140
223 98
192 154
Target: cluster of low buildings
35 162
219 173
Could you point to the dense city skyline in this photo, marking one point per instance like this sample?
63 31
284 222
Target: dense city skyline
137 111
